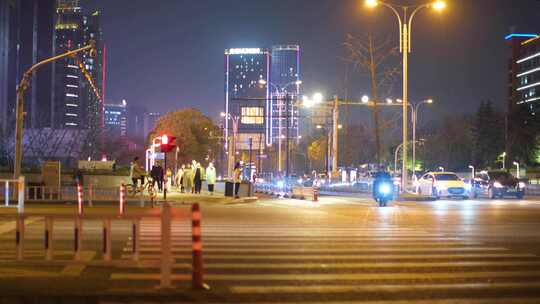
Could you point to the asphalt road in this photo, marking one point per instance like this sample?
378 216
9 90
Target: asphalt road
337 250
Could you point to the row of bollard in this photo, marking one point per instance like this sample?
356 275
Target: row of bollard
121 204
167 260
286 192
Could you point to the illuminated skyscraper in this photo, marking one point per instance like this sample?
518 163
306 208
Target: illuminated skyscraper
245 98
116 119
76 104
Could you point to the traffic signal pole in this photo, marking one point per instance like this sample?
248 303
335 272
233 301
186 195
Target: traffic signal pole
165 174
25 84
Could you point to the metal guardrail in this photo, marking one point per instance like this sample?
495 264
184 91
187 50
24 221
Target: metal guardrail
13 190
165 262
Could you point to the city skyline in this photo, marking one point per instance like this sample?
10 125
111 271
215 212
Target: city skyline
466 39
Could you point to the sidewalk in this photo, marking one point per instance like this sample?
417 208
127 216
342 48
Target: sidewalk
205 197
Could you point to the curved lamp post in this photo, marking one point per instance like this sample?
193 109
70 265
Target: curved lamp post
405 28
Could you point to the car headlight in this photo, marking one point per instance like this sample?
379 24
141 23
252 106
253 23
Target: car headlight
497 185
385 189
522 184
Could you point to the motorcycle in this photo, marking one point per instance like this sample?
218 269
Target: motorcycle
383 188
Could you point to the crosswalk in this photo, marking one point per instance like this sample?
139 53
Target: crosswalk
302 263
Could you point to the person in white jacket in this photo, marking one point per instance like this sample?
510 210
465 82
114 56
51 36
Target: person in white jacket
211 178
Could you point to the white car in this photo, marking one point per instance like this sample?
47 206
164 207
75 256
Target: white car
442 184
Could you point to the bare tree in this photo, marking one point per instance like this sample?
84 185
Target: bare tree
378 58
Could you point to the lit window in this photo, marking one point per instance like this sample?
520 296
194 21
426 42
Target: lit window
252 115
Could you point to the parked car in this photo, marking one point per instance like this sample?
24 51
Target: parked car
442 184
495 184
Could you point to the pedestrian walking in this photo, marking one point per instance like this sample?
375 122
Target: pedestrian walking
211 178
197 179
157 176
168 181
180 178
203 174
187 181
136 173
237 179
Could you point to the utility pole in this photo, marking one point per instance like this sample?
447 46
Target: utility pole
287 103
232 147
250 157
335 135
23 85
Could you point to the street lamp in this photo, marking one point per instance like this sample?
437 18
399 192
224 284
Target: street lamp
415 119
472 171
517 168
365 99
503 155
405 27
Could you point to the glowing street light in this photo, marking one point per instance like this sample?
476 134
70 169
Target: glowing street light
389 101
405 28
439 5
318 97
517 168
371 3
472 171
365 99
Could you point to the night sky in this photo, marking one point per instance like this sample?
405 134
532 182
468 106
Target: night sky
168 54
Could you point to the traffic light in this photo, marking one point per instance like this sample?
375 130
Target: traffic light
167 142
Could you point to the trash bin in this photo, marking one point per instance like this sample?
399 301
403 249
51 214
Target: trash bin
229 189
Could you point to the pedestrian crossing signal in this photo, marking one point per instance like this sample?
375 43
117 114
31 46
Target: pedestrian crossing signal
167 143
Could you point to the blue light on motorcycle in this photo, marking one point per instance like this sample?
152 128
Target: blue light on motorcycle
385 189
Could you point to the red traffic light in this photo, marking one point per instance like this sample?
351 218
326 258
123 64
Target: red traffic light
167 143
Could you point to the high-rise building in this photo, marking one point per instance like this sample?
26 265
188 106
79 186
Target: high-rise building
523 94
76 103
285 84
149 122
245 98
26 37
524 71
116 119
136 130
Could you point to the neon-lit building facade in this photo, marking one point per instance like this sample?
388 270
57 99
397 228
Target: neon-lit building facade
524 71
245 98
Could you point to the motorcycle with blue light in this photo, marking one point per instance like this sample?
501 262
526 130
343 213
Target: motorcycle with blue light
383 188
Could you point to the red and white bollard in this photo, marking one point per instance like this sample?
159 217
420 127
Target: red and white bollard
80 199
198 269
122 199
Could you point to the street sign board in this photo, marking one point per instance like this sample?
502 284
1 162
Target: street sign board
159 155
262 156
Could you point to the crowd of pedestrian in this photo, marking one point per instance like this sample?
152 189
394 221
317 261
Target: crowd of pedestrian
189 178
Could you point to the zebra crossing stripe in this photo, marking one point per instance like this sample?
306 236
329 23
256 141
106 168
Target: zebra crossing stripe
213 256
394 288
330 266
277 242
343 277
297 250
